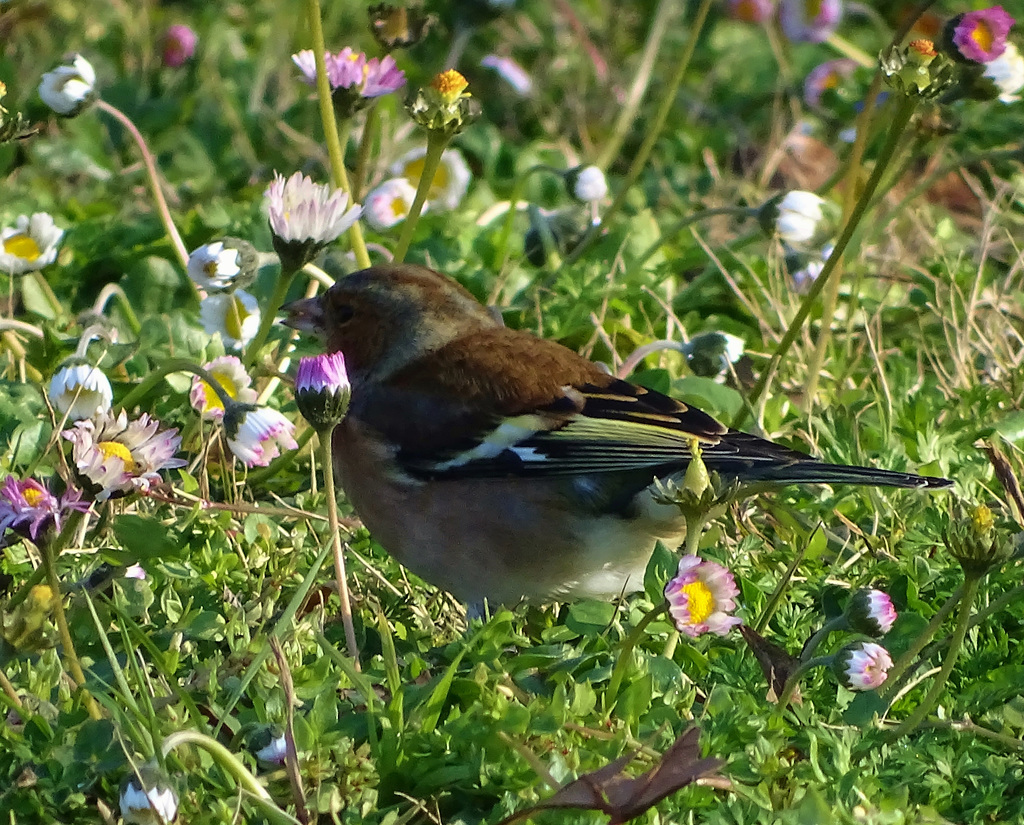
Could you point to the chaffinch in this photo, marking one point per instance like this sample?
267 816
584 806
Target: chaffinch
499 465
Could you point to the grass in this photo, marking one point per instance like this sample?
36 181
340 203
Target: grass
449 721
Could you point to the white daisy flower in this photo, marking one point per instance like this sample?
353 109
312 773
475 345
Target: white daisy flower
389 203
233 379
1007 72
79 390
450 181
235 316
256 435
30 244
68 88
215 266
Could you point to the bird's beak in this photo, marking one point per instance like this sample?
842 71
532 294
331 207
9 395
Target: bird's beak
306 315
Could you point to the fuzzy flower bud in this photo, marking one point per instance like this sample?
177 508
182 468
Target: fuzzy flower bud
587 184
322 389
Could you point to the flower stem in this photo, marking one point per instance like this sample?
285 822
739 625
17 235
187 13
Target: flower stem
668 102
330 125
327 461
837 623
796 676
172 365
904 111
971 584
641 80
626 652
154 179
49 552
436 143
903 664
370 129
284 282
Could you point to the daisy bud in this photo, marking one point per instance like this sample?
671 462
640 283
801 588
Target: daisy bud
978 36
862 666
917 69
27 627
710 353
147 797
267 744
322 389
795 217
975 542
30 244
12 127
444 106
179 45
79 390
701 597
696 479
256 435
223 265
587 184
68 89
870 612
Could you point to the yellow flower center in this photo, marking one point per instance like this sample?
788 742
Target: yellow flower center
115 449
236 318
33 496
700 601
983 36
449 84
813 8
41 596
399 207
213 401
22 246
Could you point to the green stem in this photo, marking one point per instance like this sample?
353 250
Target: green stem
903 664
252 350
505 234
172 365
370 129
837 623
704 214
848 49
904 111
115 291
796 676
340 576
971 584
154 178
641 80
668 102
49 552
230 763
626 652
339 175
436 143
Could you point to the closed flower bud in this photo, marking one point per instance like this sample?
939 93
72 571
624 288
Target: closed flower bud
862 666
79 390
147 798
322 389
267 744
586 184
975 542
917 69
69 89
710 353
870 612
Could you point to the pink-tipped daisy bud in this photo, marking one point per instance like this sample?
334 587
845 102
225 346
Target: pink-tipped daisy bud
701 597
179 45
978 36
862 666
69 89
147 797
587 184
220 266
322 389
256 435
870 612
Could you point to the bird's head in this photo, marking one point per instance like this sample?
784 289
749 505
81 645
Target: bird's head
387 316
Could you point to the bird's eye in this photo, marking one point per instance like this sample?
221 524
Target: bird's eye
343 313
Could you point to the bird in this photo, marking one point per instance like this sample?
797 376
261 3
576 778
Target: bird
502 466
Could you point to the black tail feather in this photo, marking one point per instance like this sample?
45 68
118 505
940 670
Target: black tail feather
818 472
